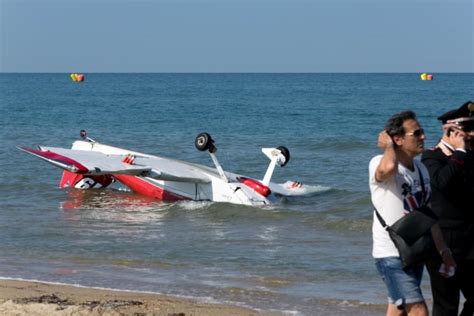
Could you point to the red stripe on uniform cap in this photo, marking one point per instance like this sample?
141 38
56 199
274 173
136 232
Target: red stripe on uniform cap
59 158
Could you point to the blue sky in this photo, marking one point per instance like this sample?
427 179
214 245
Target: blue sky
236 36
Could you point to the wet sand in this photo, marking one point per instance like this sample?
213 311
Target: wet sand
36 298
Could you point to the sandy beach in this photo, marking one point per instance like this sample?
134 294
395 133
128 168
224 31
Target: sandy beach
36 298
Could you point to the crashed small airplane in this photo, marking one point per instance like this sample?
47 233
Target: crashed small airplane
90 165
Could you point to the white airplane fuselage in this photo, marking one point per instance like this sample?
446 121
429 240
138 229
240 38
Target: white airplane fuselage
231 188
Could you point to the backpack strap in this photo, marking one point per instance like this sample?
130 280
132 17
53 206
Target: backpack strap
423 194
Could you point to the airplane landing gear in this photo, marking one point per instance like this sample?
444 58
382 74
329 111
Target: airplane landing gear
205 142
286 153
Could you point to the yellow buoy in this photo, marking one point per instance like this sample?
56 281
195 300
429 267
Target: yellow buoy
77 77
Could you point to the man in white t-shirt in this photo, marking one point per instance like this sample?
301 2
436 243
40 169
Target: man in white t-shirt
396 189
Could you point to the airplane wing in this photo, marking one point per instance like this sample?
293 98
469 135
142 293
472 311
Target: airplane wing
97 163
85 162
175 170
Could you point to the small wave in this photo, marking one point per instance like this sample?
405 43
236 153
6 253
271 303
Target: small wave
305 189
269 281
194 205
353 305
107 199
217 212
359 225
268 233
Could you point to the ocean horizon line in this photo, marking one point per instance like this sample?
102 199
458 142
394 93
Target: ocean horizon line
244 72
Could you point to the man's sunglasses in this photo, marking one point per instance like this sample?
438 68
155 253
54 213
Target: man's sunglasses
417 133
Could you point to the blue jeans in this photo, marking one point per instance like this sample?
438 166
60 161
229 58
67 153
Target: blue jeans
403 285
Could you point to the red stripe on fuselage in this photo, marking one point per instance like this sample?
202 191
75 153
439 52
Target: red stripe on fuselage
255 185
58 158
146 188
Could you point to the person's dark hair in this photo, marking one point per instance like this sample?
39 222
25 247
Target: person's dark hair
394 125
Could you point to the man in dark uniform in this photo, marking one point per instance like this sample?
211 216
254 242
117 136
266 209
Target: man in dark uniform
451 168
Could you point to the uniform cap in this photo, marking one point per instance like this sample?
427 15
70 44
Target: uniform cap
464 114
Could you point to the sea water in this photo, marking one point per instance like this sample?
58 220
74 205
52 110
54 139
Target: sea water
308 255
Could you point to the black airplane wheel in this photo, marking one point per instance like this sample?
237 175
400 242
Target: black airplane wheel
203 142
286 153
